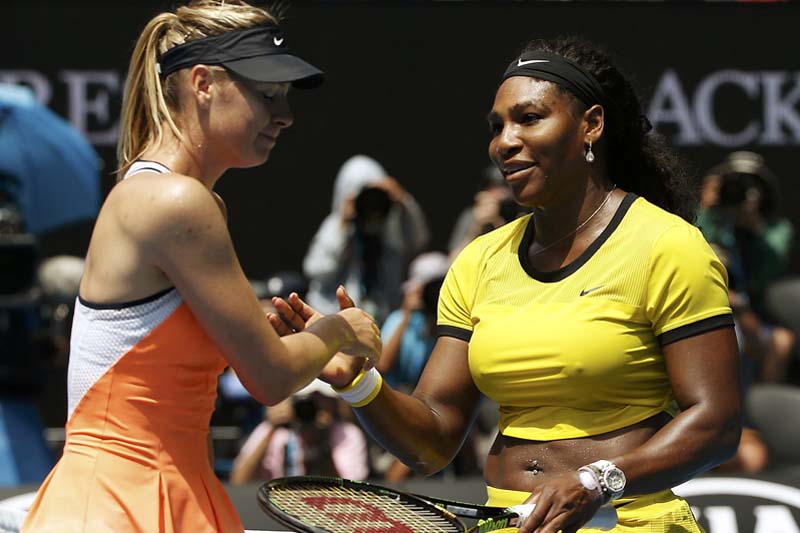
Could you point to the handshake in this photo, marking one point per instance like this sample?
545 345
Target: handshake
352 332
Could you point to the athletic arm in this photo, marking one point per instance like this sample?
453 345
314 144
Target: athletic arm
702 371
186 237
703 374
426 429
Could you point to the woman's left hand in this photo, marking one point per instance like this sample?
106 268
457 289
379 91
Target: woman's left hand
295 315
562 504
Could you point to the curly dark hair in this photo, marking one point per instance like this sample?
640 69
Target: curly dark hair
639 160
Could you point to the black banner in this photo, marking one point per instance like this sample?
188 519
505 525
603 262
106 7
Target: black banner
410 84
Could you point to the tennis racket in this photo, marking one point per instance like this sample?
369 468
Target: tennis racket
313 504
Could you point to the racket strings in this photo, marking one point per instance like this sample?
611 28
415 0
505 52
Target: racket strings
345 510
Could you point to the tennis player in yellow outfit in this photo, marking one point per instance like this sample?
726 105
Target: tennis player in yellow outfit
599 324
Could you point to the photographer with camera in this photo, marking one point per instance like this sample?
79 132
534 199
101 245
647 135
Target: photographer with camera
303 435
740 215
367 241
493 206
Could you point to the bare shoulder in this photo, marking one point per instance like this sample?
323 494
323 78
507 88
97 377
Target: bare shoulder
154 206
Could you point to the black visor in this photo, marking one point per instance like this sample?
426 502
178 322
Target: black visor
257 54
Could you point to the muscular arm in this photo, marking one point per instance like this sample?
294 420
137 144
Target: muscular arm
426 429
182 233
703 373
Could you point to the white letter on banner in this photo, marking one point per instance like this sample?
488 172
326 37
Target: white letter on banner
774 519
721 519
704 107
80 107
669 105
779 111
35 80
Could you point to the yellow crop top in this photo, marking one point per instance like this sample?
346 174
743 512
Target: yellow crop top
577 351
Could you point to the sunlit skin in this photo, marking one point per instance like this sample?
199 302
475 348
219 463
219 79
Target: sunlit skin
538 140
248 120
157 231
227 122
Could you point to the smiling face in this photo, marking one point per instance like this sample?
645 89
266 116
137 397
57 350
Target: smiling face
247 119
537 140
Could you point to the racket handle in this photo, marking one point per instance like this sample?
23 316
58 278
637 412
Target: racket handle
604 519
523 510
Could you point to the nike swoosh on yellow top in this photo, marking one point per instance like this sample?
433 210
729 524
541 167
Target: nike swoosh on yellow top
584 292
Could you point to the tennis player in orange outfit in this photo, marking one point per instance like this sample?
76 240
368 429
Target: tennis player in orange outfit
164 306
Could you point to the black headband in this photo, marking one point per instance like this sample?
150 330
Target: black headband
258 54
560 70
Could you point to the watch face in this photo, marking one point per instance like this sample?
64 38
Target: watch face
615 479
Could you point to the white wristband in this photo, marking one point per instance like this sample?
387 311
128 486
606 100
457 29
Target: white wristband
363 389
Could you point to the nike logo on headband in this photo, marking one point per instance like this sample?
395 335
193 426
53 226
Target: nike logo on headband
277 41
521 63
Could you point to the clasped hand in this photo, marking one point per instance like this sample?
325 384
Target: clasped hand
295 315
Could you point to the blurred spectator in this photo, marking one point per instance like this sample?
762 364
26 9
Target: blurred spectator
59 278
304 435
493 207
409 333
243 410
739 211
24 456
20 323
739 214
752 455
375 227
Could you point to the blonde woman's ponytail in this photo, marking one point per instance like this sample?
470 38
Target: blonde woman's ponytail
144 107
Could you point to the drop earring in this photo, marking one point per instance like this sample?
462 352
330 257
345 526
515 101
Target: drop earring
590 154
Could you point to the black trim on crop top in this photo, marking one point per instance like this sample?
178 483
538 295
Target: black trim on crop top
696 328
564 272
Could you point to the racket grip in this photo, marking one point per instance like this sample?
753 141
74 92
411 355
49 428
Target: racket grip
523 510
604 519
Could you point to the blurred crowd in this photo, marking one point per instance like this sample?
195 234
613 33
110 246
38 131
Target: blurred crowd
376 243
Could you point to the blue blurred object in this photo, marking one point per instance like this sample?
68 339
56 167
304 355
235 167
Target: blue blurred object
47 167
25 458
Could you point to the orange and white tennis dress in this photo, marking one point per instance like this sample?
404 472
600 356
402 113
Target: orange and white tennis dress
142 386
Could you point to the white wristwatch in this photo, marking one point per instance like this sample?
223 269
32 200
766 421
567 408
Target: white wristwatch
610 479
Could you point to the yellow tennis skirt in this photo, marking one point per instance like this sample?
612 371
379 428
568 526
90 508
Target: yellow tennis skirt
660 512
